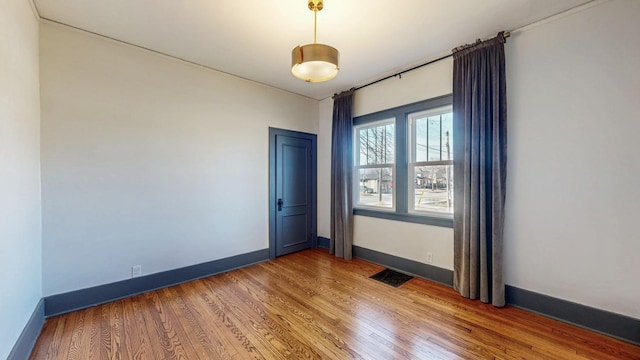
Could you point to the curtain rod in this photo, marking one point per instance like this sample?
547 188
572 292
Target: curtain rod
399 74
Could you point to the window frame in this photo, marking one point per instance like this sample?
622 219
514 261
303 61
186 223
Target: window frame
401 180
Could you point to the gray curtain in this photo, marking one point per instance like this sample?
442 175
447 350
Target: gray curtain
480 158
341 172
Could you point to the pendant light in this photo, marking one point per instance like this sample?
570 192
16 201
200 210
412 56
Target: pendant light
315 62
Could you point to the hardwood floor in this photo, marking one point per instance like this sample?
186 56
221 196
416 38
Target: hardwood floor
311 305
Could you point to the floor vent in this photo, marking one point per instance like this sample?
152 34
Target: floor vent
391 277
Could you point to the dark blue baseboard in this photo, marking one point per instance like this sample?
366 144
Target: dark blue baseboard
27 339
83 298
605 322
324 242
426 271
611 324
615 325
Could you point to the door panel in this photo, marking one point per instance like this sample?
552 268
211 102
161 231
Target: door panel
294 171
294 231
293 187
292 191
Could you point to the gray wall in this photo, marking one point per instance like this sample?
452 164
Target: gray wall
20 219
573 165
572 185
150 161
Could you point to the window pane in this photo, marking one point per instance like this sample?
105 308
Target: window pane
447 136
376 187
376 144
431 137
420 149
433 141
433 188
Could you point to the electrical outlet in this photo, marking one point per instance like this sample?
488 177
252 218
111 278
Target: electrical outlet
136 271
429 257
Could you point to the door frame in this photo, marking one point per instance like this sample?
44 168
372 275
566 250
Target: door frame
273 133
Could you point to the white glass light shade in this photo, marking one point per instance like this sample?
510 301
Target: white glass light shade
314 62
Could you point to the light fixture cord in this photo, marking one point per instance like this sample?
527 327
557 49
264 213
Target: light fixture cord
315 19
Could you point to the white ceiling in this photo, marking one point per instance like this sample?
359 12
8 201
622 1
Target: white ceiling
253 39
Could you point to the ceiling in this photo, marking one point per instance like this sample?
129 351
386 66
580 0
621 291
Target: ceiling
253 39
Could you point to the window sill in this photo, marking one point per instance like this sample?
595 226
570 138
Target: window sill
411 218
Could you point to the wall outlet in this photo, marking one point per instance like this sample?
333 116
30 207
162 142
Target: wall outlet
429 258
136 271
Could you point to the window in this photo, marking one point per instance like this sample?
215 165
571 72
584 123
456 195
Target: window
374 150
431 161
403 163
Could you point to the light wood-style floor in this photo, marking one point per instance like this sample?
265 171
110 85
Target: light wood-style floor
310 305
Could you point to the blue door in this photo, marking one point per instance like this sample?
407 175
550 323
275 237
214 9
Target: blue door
294 191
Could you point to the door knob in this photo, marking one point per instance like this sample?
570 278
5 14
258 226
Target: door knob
280 204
